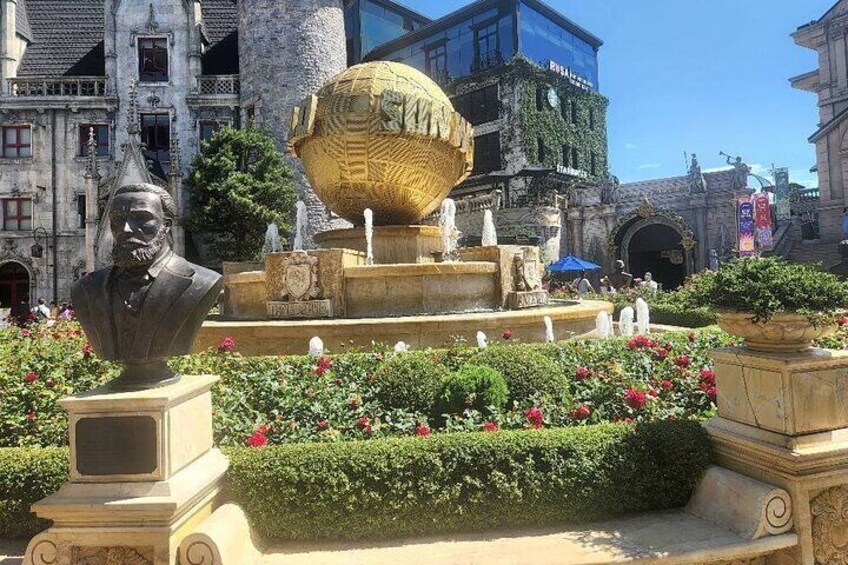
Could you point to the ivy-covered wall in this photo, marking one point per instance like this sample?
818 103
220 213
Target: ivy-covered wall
552 127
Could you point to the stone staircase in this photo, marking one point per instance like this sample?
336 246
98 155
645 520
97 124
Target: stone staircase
819 251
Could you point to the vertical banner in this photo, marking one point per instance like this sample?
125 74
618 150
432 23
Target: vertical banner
745 217
781 193
762 221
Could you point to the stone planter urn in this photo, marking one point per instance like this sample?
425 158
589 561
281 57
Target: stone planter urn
786 332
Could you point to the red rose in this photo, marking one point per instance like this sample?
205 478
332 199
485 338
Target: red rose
362 423
30 377
708 376
634 398
323 364
641 341
535 417
682 361
87 350
582 373
711 392
56 335
653 392
668 347
843 320
322 425
508 333
422 430
227 344
581 412
491 427
25 332
661 354
262 429
30 416
257 439
666 384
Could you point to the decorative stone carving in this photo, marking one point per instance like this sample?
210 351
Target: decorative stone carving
42 551
646 209
688 242
300 277
112 556
830 526
520 275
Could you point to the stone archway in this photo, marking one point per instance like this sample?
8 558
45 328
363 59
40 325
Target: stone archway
15 286
656 247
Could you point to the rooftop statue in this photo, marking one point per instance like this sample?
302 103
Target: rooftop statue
150 303
741 170
697 182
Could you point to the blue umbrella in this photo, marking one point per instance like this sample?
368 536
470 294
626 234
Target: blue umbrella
572 263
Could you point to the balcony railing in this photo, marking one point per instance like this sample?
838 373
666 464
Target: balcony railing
214 85
57 86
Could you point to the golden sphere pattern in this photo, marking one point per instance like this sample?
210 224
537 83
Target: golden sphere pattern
383 136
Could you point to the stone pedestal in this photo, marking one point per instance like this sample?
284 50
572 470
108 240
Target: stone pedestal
143 474
390 244
783 419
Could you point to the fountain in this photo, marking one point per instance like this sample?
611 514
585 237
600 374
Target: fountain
316 346
299 225
603 325
383 167
643 317
482 340
490 236
549 330
272 240
625 321
401 347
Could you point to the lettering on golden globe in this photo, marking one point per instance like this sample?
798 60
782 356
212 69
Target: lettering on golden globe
400 113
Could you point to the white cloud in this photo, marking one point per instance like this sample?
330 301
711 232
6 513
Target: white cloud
650 166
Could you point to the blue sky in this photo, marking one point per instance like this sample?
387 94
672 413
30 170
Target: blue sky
699 76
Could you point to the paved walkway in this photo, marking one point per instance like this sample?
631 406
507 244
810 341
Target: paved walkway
12 551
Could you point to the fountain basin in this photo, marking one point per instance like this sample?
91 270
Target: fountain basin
271 337
412 289
391 244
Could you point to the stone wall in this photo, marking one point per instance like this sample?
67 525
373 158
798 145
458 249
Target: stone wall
288 50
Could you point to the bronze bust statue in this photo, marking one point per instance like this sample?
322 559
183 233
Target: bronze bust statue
148 306
619 278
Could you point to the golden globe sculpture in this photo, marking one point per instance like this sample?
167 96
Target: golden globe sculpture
383 136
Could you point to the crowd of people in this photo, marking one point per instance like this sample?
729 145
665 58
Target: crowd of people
41 312
612 283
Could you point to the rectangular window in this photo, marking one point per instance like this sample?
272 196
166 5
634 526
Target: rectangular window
153 59
17 141
17 214
436 64
541 150
101 135
81 210
156 136
487 153
593 165
575 164
592 119
573 111
540 98
566 156
209 127
479 106
487 52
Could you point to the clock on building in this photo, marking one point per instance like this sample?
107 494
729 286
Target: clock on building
553 98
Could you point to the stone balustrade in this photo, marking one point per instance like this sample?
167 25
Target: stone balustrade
213 85
56 86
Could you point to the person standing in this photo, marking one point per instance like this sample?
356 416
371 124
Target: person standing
582 285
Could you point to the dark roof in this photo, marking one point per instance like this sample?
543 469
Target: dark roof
67 38
22 27
406 11
220 23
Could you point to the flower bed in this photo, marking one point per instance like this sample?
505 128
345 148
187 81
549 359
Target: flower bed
345 397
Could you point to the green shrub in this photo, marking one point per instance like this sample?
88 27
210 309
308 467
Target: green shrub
410 381
768 286
478 388
674 315
527 372
467 481
28 474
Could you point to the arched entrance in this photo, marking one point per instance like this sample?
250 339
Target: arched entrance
657 249
14 287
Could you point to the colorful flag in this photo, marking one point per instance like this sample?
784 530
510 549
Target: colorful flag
781 193
762 221
746 227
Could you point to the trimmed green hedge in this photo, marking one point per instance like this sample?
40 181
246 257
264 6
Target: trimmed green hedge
28 474
467 481
674 315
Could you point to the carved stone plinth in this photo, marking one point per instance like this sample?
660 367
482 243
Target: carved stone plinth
143 475
527 299
307 309
783 419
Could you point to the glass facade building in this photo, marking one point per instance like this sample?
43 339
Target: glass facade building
371 23
487 34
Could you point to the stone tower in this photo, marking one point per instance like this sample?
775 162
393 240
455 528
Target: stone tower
289 49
